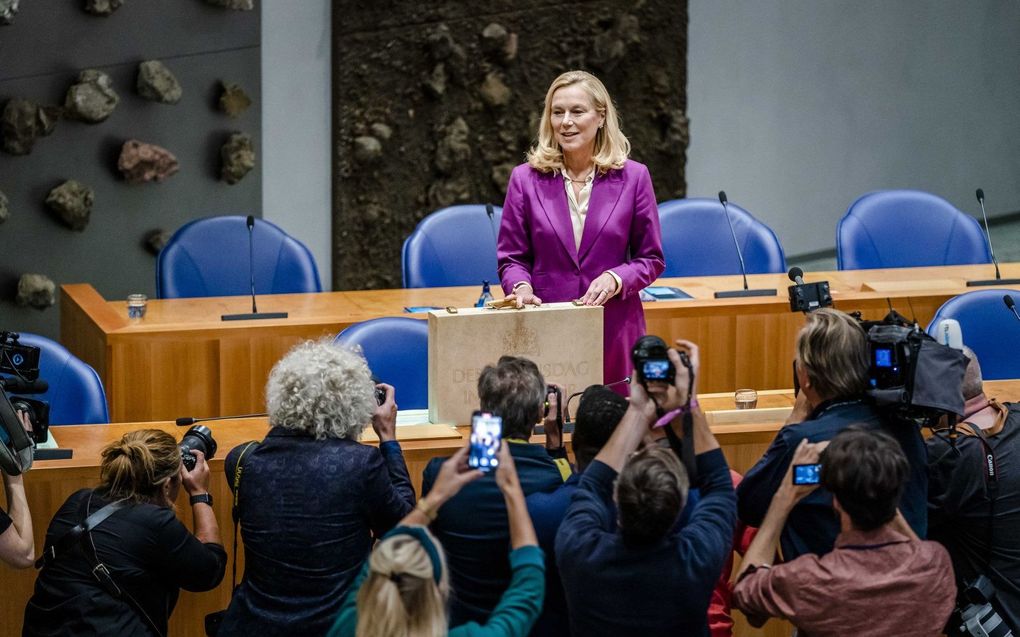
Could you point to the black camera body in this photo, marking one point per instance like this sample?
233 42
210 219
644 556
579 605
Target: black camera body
17 359
651 362
808 297
21 363
38 412
198 438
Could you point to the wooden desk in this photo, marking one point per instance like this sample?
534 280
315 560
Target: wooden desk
182 360
744 436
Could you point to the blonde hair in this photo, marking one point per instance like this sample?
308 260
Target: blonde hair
138 465
833 350
400 598
611 146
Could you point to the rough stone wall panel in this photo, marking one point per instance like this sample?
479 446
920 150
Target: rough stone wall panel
431 108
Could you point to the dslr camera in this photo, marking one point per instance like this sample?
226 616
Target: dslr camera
198 438
978 618
651 362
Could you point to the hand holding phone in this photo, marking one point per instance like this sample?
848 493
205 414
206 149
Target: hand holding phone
486 434
807 474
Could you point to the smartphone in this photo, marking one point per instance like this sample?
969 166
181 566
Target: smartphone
807 473
486 431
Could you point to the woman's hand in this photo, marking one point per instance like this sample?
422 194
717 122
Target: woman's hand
601 290
384 419
196 481
506 473
453 475
524 295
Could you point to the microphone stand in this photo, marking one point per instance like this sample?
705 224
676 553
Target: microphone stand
998 280
251 272
743 270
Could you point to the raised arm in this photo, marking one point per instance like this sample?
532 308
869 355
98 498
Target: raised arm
17 543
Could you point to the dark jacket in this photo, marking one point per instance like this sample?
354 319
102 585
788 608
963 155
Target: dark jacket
474 530
309 510
151 556
959 503
614 589
813 526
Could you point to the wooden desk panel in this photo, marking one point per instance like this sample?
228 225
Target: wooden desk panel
218 368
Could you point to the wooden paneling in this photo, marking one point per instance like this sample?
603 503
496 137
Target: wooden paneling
217 367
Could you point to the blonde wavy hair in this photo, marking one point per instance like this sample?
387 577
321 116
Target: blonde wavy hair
833 349
138 465
611 146
322 389
400 598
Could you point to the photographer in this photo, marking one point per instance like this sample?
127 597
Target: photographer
880 579
626 568
147 552
473 525
17 543
313 499
982 535
831 368
404 585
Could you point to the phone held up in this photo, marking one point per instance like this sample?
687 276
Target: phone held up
806 474
486 432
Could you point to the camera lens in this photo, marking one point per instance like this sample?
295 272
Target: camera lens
198 438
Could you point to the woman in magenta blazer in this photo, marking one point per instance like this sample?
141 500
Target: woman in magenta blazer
580 219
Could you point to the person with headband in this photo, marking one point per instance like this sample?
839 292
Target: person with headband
404 586
123 576
580 220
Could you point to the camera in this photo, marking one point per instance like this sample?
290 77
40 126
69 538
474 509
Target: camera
651 362
21 364
198 438
380 396
979 618
38 412
20 360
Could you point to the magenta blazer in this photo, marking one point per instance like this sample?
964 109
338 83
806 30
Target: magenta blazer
621 233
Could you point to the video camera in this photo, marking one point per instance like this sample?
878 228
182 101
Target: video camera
911 372
22 362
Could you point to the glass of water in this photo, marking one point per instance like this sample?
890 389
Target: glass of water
745 398
136 305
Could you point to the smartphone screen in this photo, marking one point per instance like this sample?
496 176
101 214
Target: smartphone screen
485 436
656 369
807 473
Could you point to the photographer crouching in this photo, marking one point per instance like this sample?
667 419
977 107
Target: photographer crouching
116 556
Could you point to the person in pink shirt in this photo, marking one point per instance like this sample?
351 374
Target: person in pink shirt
580 221
880 579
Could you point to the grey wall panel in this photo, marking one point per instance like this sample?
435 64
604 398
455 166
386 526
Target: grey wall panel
799 106
109 253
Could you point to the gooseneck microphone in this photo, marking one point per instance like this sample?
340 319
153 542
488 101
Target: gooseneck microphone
250 222
1008 300
492 220
188 421
740 257
998 280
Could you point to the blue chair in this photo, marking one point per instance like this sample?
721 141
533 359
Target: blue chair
452 246
209 257
907 228
988 328
397 351
696 240
75 393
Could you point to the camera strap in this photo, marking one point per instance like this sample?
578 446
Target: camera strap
991 475
687 444
81 535
235 512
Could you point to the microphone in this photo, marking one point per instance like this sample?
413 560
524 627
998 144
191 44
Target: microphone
188 421
1008 300
492 220
625 379
998 280
740 257
16 385
796 275
250 222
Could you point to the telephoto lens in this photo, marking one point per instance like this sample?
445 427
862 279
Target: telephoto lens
198 438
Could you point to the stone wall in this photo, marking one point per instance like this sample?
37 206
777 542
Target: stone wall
435 103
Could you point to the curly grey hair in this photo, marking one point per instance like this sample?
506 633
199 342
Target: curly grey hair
322 389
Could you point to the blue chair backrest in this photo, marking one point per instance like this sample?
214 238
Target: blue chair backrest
988 328
452 246
75 393
696 240
397 351
907 228
209 257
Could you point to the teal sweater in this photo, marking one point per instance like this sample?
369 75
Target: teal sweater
513 616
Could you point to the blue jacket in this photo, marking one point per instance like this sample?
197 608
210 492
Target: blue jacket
813 525
474 531
613 589
309 511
